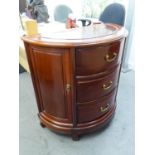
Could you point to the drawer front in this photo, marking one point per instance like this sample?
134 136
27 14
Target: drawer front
93 89
93 60
91 111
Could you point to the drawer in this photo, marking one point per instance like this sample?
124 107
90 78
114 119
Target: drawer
93 110
92 89
93 60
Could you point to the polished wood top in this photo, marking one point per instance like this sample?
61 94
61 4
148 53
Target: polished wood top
84 36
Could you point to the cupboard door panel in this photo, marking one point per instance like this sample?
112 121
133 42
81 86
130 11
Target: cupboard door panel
50 69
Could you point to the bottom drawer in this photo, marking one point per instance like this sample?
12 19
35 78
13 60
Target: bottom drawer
92 110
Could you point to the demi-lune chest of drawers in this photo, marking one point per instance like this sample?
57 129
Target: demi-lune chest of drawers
75 74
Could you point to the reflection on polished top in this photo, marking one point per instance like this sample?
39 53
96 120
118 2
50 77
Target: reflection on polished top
97 33
94 31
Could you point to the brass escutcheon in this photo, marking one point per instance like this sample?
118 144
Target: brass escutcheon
68 88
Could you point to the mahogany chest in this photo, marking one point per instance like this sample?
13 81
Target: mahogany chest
75 74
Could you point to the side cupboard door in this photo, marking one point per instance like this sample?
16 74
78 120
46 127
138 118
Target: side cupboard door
51 73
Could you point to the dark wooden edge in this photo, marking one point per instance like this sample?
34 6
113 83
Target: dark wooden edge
89 80
28 48
73 83
97 75
81 128
102 98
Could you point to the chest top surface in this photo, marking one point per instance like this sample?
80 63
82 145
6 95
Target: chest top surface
93 34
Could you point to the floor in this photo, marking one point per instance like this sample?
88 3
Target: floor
116 139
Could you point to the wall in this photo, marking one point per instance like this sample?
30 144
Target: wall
128 62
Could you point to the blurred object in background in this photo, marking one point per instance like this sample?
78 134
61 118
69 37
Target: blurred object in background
61 13
22 5
71 21
37 10
30 27
113 13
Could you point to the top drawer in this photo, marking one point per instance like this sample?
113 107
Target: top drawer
93 60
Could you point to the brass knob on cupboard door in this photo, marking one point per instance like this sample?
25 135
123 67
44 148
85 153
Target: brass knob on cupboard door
107 85
68 88
108 58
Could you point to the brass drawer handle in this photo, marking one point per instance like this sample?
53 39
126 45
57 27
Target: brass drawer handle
103 110
108 59
107 86
68 88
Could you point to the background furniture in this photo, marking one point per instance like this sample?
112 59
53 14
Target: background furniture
21 69
44 28
114 13
75 75
85 22
23 59
61 13
22 5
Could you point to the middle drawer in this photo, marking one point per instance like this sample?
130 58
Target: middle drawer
93 89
